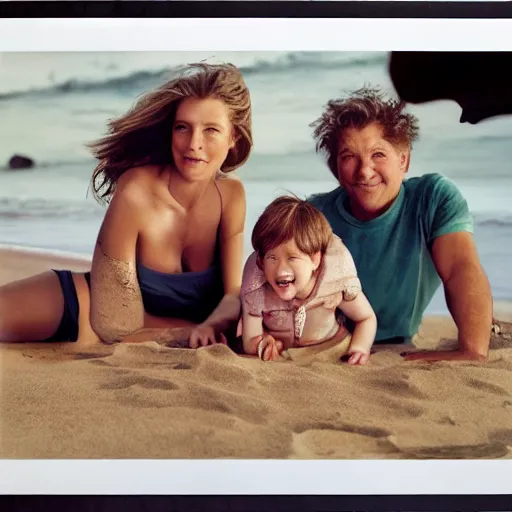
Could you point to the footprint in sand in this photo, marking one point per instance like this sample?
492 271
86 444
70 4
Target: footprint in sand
89 355
447 420
502 435
326 440
224 401
228 372
112 368
369 431
133 391
401 408
61 352
478 451
399 387
139 380
180 366
150 355
488 387
102 363
169 365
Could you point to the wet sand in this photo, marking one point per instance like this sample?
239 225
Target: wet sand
65 400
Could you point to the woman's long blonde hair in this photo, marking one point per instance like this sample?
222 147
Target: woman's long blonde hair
143 135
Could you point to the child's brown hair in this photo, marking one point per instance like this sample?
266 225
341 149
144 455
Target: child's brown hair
290 218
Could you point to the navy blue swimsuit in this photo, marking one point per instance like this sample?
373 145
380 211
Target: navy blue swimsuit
189 295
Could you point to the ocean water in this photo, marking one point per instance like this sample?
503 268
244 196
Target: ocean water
52 104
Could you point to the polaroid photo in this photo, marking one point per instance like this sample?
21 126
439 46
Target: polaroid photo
139 155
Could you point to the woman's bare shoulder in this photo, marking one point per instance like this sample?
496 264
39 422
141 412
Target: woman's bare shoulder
139 185
141 176
231 187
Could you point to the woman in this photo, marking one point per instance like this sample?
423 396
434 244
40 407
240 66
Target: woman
406 236
169 251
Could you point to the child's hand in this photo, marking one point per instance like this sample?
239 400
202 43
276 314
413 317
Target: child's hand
356 357
269 349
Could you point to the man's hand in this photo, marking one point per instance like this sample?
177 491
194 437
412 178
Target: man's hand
203 335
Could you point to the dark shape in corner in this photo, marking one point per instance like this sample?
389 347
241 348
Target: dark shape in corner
475 80
20 162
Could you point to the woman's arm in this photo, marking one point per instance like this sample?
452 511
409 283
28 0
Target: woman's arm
116 302
227 313
361 313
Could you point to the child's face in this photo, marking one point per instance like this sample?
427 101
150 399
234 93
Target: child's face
289 271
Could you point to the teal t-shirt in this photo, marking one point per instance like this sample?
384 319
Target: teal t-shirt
392 252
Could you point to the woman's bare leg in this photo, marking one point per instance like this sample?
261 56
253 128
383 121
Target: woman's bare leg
31 308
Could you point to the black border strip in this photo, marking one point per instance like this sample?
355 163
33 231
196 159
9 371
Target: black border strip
254 9
258 503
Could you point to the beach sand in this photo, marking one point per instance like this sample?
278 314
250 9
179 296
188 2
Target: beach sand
63 400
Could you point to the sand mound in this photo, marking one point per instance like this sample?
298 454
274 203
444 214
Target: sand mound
150 401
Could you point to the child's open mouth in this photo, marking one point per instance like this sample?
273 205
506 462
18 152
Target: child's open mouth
283 282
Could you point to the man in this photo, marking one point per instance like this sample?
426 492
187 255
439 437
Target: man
406 236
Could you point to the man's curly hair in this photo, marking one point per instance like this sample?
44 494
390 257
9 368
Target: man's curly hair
361 108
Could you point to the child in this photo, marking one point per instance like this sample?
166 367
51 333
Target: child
292 284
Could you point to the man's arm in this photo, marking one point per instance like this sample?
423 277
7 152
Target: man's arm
468 296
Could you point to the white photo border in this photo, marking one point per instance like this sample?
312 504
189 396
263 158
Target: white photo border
239 477
253 34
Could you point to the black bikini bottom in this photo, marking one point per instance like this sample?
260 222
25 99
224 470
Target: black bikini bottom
68 327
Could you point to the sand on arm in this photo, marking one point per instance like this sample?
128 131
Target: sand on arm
117 309
116 301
